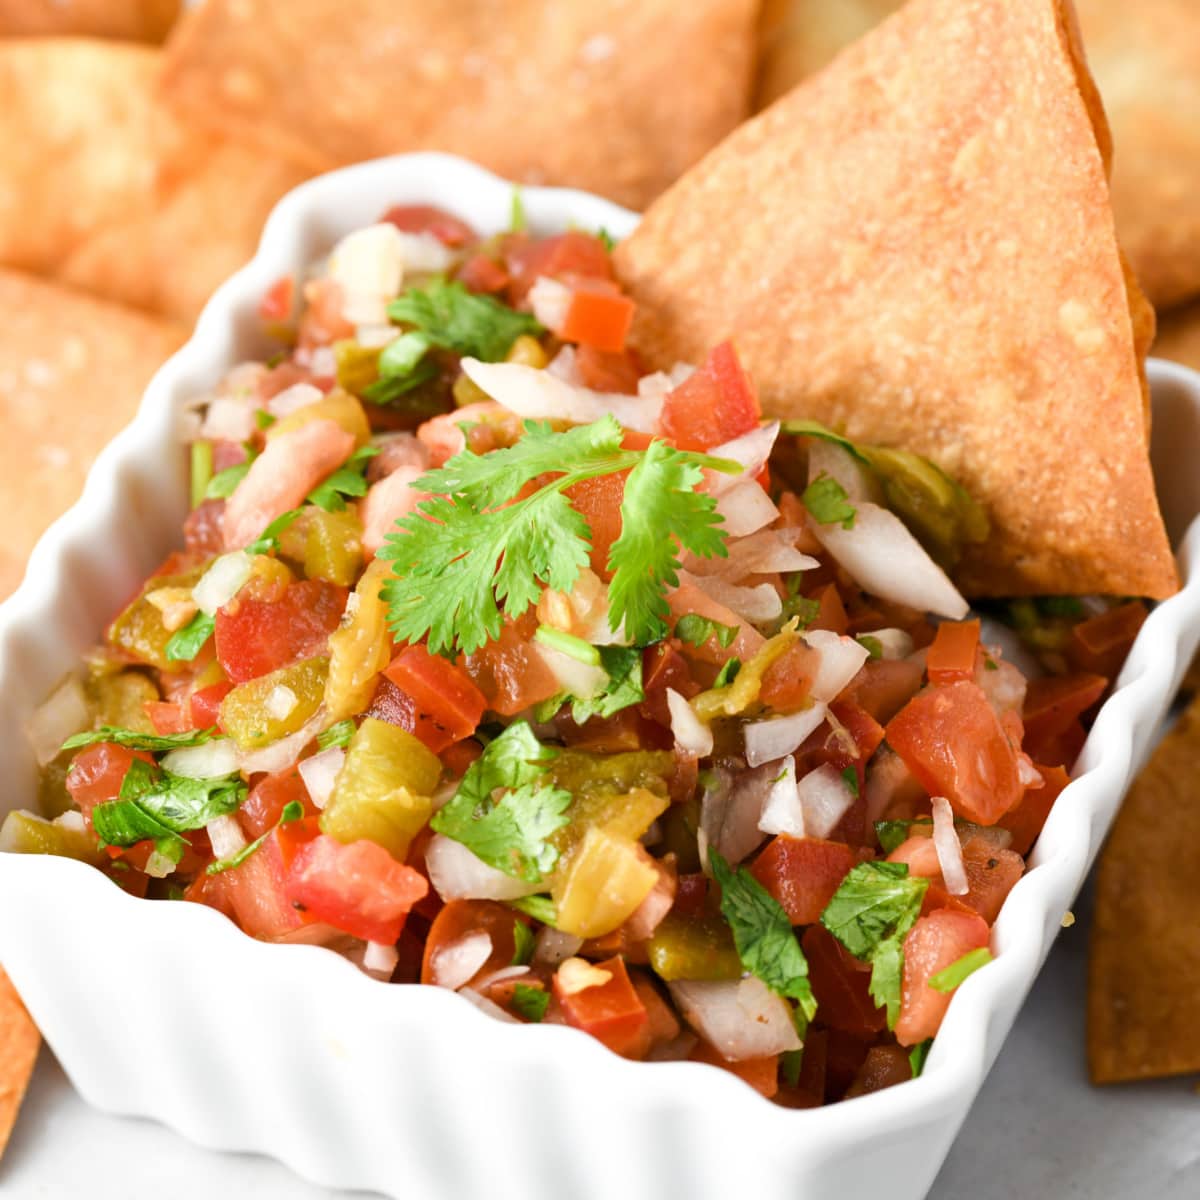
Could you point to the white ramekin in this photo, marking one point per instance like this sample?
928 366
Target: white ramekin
167 1011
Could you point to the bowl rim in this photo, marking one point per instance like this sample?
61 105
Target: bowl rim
1021 934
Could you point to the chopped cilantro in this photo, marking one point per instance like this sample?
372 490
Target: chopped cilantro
540 908
264 419
154 743
918 1055
802 609
990 664
292 811
452 318
268 541
950 977
728 673
389 389
510 834
696 630
892 833
186 643
568 644
829 502
523 940
606 239
765 940
516 217
850 775
336 735
624 686
872 645
348 480
224 483
530 1002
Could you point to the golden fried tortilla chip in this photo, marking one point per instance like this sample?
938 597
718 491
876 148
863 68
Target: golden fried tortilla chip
916 246
617 96
19 1041
103 188
72 371
137 20
1144 970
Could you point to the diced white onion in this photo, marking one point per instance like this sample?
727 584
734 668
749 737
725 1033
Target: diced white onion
499 976
62 714
280 701
554 946
761 553
321 361
425 253
758 603
751 450
368 264
210 760
72 819
777 737
222 581
691 734
485 1005
582 680
226 836
550 301
280 755
841 658
158 866
539 395
299 395
565 366
380 959
783 811
1004 686
457 874
746 508
1012 648
228 420
825 798
375 337
320 773
730 811
949 848
459 962
578 975
893 643
741 1018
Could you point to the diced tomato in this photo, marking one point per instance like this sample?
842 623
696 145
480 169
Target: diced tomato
613 1012
1060 750
883 686
919 854
831 614
627 730
204 704
442 690
811 1082
597 315
952 653
510 673
662 1024
605 372
276 304
269 797
762 1074
802 874
397 707
691 891
1099 644
482 274
598 501
858 737
458 757
953 742
462 917
991 874
1053 702
664 667
254 637
204 528
167 717
715 404
884 1067
1026 820
841 985
97 773
932 944
844 1056
570 253
690 598
357 887
787 682
427 218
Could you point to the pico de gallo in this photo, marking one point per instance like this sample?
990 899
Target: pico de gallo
498 663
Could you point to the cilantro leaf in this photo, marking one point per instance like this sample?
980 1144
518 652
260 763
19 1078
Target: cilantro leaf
874 907
224 483
530 1002
624 686
388 389
155 743
918 1055
961 969
728 673
455 319
523 940
268 540
765 940
292 811
892 833
606 239
540 908
336 735
802 609
661 511
510 834
850 775
696 630
184 644
872 645
348 480
829 502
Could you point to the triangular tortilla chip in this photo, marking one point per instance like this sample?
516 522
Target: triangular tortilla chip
1179 337
137 20
916 246
19 1042
615 97
72 371
102 187
1144 970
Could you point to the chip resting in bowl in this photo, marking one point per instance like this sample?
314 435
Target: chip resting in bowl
936 268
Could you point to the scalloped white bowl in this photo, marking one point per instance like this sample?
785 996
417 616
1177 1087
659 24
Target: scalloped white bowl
168 1011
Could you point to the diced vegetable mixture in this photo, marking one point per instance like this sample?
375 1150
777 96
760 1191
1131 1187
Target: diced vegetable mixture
496 663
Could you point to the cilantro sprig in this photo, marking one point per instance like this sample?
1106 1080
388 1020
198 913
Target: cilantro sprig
510 833
474 554
133 739
450 317
185 643
348 480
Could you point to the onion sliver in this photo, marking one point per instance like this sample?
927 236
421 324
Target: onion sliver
459 962
320 772
209 760
758 603
691 734
226 836
64 712
741 1018
457 874
777 737
746 508
949 848
751 450
222 581
825 798
550 301
731 809
841 658
582 680
783 812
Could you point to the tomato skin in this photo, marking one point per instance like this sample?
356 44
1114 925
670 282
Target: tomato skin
762 1074
428 218
664 667
841 985
1054 702
802 874
168 716
603 371
598 315
599 501
991 874
264 806
787 682
482 274
397 707
254 637
932 944
883 686
204 705
461 917
715 404
953 651
952 741
1099 644
510 673
357 887
204 527
97 773
441 690
1026 820
832 612
612 1012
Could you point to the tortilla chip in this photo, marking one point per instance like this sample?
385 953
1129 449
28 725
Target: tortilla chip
102 188
72 371
608 95
1144 970
916 247
1179 336
19 1041
136 20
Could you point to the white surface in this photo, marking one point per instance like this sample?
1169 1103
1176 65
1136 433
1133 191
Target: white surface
1037 1129
167 1009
